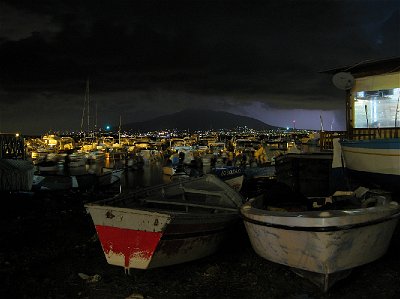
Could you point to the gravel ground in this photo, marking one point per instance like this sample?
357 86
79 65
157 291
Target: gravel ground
49 249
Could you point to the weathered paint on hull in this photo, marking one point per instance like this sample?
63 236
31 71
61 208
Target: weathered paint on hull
181 250
325 243
322 252
172 223
128 237
145 249
141 239
127 247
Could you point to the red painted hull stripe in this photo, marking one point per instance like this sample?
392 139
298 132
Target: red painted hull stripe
128 242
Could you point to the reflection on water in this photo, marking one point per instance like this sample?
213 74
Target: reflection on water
94 168
150 175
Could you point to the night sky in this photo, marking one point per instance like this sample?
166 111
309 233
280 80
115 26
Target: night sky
149 58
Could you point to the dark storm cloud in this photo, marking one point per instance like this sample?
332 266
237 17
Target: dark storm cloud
219 52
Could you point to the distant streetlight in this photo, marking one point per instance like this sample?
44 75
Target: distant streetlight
108 127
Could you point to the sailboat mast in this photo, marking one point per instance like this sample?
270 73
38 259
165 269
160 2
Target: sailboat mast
83 113
119 131
95 124
88 106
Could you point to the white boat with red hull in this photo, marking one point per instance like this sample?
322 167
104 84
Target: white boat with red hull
166 224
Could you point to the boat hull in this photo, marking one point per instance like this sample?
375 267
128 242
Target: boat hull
167 224
134 238
128 237
328 243
373 161
231 175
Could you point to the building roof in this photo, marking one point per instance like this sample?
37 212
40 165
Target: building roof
369 67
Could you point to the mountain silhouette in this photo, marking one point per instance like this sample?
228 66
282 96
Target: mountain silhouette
193 119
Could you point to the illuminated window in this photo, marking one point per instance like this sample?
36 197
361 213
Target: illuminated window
376 108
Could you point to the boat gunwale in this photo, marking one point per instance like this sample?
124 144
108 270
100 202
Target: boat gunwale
318 227
166 211
377 144
138 194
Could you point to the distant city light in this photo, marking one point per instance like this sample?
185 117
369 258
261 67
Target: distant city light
108 127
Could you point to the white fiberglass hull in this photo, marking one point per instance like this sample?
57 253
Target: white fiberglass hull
373 156
321 242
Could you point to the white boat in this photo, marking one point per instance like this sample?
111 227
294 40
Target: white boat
374 161
77 160
166 224
321 245
96 156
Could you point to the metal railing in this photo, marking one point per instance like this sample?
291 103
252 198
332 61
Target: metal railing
326 137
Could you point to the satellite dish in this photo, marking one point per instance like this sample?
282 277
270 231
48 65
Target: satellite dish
343 80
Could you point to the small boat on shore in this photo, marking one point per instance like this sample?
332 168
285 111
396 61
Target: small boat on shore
321 239
166 224
375 161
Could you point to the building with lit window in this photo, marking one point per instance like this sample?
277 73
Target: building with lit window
372 91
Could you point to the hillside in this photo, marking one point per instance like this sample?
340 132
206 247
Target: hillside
198 120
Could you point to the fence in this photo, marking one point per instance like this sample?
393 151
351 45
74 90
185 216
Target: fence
326 137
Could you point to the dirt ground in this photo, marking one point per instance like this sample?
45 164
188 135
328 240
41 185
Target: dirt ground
49 249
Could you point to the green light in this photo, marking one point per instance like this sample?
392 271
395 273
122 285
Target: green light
108 127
